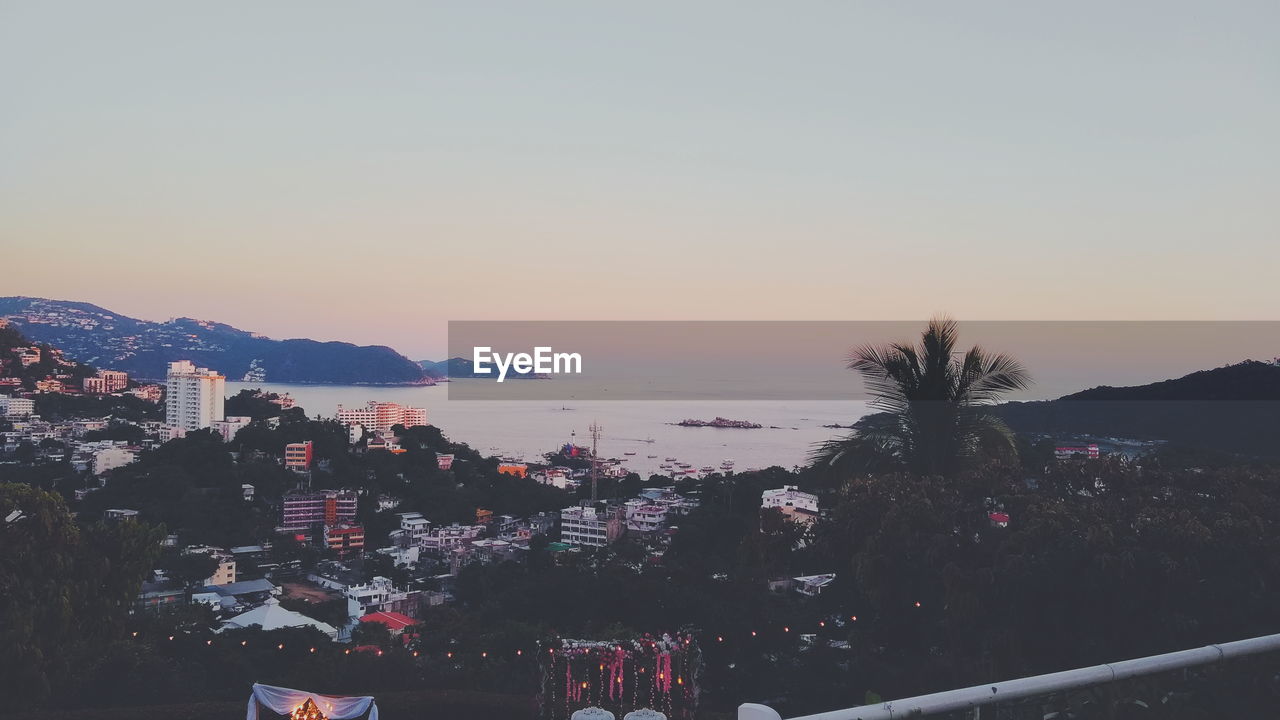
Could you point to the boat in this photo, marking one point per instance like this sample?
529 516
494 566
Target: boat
651 456
727 464
707 469
629 452
670 459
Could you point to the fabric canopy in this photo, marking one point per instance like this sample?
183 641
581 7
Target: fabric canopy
286 700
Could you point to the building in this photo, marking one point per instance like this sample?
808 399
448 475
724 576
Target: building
303 510
644 516
517 469
297 456
16 407
193 396
149 393
117 514
381 595
801 507
1088 451
440 541
110 458
344 539
106 381
415 527
394 621
444 462
596 525
230 425
226 572
813 585
381 416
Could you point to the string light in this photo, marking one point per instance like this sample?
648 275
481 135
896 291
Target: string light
280 646
917 603
313 649
244 643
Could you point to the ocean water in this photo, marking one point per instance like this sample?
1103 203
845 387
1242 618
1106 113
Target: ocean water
526 429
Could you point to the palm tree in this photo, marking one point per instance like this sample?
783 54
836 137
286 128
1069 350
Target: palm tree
933 406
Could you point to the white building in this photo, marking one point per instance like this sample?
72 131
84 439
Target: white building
16 407
592 526
415 526
381 416
194 396
644 516
230 425
801 507
110 458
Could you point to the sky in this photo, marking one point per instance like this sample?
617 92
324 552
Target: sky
369 171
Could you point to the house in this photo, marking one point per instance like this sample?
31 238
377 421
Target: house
797 506
395 622
813 585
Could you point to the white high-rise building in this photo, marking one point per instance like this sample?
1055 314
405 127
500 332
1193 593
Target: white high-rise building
194 397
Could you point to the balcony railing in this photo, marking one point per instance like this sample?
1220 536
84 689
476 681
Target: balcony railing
1012 698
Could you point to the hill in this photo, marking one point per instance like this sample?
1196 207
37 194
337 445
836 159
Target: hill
463 368
142 348
1233 409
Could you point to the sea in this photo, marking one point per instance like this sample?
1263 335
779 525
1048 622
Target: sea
526 429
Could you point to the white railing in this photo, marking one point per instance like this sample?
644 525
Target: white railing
1022 688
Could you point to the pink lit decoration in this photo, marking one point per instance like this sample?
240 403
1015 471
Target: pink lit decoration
663 673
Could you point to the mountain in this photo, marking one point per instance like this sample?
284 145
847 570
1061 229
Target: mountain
463 368
1233 409
95 335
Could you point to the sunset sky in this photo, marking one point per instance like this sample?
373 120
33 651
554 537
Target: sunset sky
369 171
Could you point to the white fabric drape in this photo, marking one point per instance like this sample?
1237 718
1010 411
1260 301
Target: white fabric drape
285 700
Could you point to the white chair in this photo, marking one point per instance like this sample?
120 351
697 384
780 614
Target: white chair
644 714
592 713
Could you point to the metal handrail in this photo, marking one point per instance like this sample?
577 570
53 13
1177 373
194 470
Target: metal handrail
1021 688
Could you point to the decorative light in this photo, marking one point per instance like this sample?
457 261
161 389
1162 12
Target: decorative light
484 654
786 628
753 633
719 638
379 653
243 643
449 654
519 652
822 623
917 603
135 633
347 651
280 646
313 649
170 637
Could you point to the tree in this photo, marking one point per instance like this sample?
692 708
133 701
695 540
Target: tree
933 406
64 590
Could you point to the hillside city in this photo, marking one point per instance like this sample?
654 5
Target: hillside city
412 562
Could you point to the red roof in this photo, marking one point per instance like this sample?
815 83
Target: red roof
393 620
999 517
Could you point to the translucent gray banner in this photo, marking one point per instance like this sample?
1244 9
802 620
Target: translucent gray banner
808 360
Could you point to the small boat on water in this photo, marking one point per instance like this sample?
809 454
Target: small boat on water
727 464
651 456
670 459
629 452
707 469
